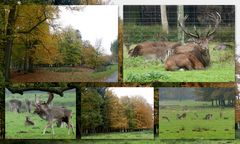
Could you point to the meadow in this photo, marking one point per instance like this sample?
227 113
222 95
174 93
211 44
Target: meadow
221 69
14 122
118 135
195 127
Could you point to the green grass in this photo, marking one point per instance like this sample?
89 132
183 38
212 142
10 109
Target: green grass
14 122
110 70
221 69
192 127
157 141
119 135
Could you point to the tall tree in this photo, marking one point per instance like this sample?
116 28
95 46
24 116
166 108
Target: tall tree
114 50
91 117
117 119
70 46
180 13
12 30
164 19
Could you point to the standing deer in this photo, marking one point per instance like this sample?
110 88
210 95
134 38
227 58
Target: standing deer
53 114
15 105
195 54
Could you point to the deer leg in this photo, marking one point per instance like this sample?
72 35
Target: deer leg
53 132
44 131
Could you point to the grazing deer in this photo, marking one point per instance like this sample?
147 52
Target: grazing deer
193 55
15 105
53 114
28 122
183 115
28 105
208 116
165 117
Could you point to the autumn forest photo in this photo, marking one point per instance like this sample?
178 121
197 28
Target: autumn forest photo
117 113
61 43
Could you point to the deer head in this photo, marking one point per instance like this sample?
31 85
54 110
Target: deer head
43 105
202 40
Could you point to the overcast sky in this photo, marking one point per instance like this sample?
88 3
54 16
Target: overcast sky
147 93
94 22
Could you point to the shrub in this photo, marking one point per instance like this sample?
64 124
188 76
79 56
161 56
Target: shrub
146 77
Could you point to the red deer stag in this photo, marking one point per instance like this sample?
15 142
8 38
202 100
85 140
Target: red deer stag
193 55
53 114
154 50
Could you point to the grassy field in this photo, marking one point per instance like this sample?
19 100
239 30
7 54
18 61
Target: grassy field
119 135
222 69
14 122
156 141
64 75
193 127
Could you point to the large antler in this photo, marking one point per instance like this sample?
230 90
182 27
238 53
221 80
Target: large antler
180 21
50 97
216 17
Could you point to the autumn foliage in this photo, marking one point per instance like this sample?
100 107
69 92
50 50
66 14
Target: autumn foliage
106 112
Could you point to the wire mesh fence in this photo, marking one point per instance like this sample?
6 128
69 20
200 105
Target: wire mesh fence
143 22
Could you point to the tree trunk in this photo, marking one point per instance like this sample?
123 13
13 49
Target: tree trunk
30 65
9 40
164 19
180 11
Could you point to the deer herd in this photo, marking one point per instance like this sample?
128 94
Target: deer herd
45 111
183 115
193 55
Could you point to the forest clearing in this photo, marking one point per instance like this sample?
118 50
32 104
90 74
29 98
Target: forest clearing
14 120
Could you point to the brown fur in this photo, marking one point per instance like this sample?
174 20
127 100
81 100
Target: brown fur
153 50
192 57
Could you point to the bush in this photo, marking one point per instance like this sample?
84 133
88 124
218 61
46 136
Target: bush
136 34
146 77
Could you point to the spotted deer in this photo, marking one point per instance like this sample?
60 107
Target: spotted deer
53 114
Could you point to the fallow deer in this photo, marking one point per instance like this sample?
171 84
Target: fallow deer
28 122
181 116
208 116
53 114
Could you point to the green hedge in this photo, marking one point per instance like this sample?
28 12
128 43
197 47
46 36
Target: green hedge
137 34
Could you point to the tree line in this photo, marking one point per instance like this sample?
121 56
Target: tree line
217 96
102 111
